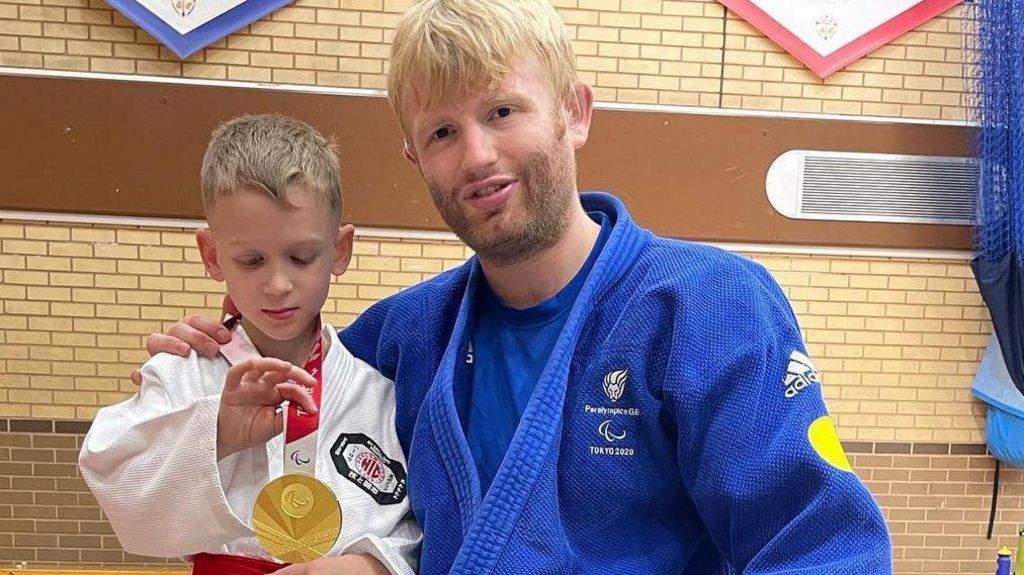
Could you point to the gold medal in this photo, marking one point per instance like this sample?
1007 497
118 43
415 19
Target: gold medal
297 518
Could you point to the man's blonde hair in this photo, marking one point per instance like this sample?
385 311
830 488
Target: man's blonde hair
449 48
270 153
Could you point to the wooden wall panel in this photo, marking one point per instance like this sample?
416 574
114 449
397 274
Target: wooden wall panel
134 148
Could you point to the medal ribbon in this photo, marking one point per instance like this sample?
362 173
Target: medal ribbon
300 428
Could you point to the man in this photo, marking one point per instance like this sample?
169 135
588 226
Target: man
582 396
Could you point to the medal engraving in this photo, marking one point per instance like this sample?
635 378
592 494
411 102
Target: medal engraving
296 500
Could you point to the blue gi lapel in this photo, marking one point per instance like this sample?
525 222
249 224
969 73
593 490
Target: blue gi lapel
488 523
444 416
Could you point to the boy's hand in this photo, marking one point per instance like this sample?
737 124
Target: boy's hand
355 564
248 404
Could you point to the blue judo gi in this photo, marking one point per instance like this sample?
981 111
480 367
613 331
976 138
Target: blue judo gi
678 427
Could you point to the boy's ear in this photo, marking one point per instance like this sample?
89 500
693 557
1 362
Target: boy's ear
343 249
208 251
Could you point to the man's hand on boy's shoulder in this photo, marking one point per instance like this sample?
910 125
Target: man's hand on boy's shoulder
196 332
252 392
355 564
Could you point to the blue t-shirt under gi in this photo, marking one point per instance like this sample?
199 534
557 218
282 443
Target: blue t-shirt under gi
510 348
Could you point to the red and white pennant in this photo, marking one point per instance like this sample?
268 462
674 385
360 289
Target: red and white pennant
826 35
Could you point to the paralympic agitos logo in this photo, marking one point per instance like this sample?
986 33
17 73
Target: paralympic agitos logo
297 457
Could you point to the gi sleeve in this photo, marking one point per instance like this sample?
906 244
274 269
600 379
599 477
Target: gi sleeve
151 463
756 447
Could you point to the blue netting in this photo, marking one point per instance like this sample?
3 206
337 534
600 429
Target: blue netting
997 48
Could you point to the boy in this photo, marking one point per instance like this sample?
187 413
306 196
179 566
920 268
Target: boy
177 468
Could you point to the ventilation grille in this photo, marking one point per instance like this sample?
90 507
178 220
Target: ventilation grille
806 184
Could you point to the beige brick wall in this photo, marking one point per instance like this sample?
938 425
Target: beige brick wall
918 75
79 301
937 504
686 52
898 340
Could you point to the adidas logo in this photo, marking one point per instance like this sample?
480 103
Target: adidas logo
800 373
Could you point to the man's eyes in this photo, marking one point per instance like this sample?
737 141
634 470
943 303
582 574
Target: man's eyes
446 131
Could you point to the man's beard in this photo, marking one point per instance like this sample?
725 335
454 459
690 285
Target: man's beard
528 225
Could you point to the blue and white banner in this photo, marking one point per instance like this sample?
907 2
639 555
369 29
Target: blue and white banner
186 26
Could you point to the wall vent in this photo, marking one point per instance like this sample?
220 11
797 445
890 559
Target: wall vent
817 185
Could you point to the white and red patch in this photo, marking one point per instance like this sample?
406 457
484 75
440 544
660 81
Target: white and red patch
360 460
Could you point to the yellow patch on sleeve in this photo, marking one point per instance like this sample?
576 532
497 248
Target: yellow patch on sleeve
825 441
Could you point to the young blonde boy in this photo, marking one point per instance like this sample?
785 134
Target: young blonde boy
178 466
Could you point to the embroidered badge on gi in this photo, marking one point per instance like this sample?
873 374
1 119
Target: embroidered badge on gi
364 463
615 384
800 373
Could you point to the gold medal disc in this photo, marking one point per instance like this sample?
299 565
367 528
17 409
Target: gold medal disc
296 518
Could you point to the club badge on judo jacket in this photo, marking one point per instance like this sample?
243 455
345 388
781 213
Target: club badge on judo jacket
363 462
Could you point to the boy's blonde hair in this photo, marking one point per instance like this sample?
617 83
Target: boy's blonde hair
453 47
270 153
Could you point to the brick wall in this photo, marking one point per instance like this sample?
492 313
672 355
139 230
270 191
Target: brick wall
47 514
686 52
897 339
936 498
918 75
79 301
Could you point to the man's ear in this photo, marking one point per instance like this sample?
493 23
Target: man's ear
343 249
409 154
580 108
208 251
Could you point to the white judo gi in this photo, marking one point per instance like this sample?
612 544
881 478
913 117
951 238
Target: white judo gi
151 463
